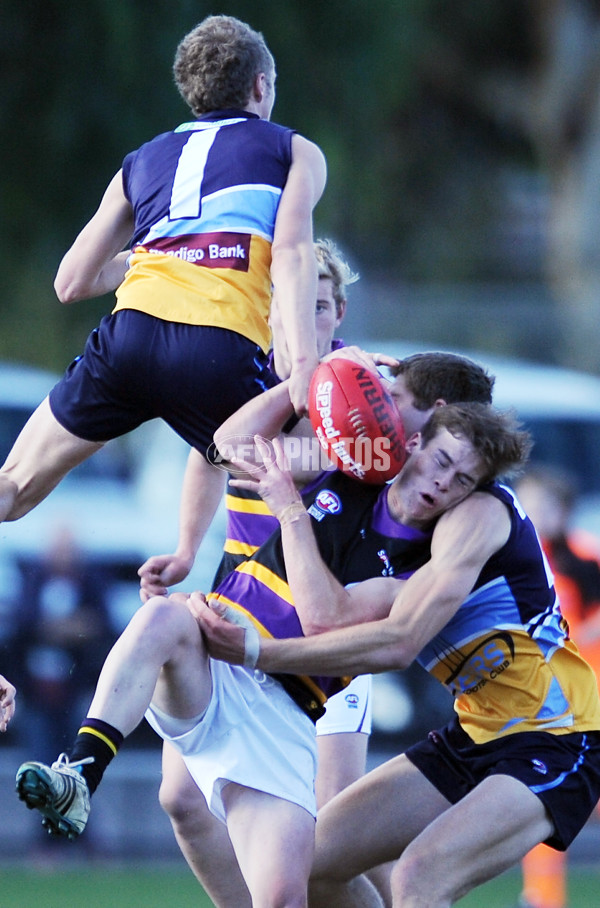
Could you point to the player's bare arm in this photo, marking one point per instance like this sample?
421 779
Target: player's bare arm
225 635
266 415
201 492
96 262
305 568
464 538
293 265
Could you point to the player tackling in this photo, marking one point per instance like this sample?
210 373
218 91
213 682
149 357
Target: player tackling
248 737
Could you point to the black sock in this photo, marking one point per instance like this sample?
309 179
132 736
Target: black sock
99 740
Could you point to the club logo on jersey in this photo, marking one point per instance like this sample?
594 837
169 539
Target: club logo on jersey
471 671
387 570
326 502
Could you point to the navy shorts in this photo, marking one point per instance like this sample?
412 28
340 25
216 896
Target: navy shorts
136 367
562 770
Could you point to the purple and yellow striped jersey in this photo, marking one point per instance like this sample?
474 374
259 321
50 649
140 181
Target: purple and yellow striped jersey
357 539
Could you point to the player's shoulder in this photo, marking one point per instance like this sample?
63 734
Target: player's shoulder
482 504
478 526
306 151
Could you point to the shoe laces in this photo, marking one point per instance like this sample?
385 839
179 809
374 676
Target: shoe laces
63 762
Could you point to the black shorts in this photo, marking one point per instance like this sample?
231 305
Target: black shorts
136 367
562 770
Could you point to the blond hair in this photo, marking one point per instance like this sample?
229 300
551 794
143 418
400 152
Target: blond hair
331 264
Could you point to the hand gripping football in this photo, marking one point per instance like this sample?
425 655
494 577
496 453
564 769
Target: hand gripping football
356 421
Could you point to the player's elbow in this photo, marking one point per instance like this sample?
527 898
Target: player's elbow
312 628
68 290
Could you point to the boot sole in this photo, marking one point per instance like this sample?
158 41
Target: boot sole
37 795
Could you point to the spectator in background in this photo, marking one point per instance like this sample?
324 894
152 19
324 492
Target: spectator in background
63 638
548 495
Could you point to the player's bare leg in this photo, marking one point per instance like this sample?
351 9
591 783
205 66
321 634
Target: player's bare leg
202 838
274 842
41 456
160 657
343 760
443 850
490 830
385 810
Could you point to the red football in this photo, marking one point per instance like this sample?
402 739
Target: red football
356 421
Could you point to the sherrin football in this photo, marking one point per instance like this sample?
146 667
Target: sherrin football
356 421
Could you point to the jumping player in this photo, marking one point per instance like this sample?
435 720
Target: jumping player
211 216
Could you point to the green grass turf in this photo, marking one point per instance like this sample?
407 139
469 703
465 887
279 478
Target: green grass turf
104 887
98 887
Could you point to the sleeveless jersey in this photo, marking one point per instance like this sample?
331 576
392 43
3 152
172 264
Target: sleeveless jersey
205 198
357 539
250 523
507 649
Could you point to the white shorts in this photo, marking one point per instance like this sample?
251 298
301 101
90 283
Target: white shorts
349 710
252 733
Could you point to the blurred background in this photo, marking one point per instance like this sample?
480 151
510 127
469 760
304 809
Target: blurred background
463 143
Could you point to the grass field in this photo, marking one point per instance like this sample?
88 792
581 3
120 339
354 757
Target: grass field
97 887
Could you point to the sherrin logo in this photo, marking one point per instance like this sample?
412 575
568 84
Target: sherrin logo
323 405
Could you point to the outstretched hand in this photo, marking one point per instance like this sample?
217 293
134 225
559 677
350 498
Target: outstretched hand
272 478
7 702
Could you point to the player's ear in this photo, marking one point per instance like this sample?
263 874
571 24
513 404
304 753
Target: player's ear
340 311
259 87
413 443
440 402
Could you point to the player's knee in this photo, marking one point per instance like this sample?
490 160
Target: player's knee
411 874
163 618
280 892
173 801
183 804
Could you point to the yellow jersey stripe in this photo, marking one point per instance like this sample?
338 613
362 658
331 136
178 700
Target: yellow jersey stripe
246 505
235 547
268 578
